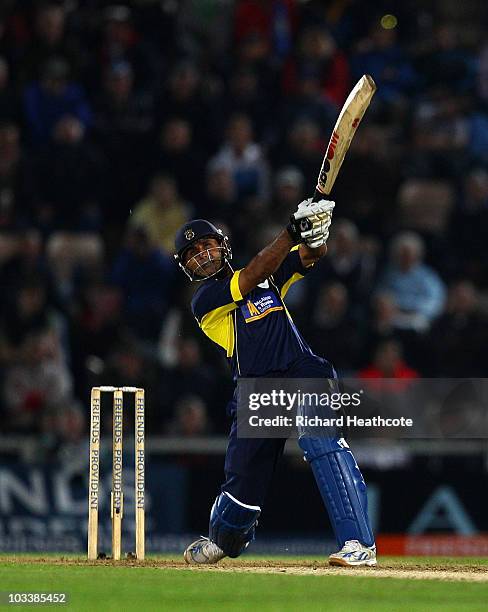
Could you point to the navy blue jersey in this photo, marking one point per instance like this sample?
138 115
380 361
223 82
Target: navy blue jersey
255 331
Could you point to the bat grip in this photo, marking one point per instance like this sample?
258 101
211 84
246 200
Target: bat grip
318 195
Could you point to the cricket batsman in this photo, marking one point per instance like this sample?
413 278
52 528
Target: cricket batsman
260 339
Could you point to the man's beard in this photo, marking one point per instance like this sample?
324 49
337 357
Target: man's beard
210 267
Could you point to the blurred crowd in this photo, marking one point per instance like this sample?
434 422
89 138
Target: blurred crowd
120 122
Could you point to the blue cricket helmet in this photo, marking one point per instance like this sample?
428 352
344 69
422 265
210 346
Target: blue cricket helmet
196 230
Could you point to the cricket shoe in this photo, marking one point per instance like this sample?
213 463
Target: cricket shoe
203 550
354 553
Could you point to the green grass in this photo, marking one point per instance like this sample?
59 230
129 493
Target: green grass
122 588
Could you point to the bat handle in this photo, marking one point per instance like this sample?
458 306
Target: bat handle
318 195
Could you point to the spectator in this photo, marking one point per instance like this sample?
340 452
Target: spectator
178 154
123 126
417 289
384 59
458 340
161 213
144 275
302 149
95 327
220 197
244 97
275 22
71 256
319 58
128 362
23 260
386 321
211 24
347 263
68 427
384 316
190 418
52 97
368 182
253 54
333 331
191 372
242 156
440 135
182 97
70 179
38 383
28 309
425 206
446 60
388 377
288 190
388 363
121 42
50 40
310 103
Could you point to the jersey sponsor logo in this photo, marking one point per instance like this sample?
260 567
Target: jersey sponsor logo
260 306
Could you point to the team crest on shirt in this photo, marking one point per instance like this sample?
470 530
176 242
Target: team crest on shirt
260 306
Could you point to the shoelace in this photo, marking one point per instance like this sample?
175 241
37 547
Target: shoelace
351 546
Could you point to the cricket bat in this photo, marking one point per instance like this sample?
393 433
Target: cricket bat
346 125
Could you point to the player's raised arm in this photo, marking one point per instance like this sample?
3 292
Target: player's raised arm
309 225
265 262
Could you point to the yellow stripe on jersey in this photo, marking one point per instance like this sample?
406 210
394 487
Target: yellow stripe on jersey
263 314
219 327
296 277
284 290
218 324
234 287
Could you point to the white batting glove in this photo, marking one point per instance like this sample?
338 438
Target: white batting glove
320 216
308 209
318 235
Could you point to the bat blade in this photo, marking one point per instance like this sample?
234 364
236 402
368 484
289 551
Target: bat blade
346 125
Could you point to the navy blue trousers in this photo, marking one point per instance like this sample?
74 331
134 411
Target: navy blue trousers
250 462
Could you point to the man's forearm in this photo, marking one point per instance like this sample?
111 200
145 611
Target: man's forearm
265 263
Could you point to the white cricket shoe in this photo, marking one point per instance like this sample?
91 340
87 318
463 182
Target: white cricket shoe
354 553
203 550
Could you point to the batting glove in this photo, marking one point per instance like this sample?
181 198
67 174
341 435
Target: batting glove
313 221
